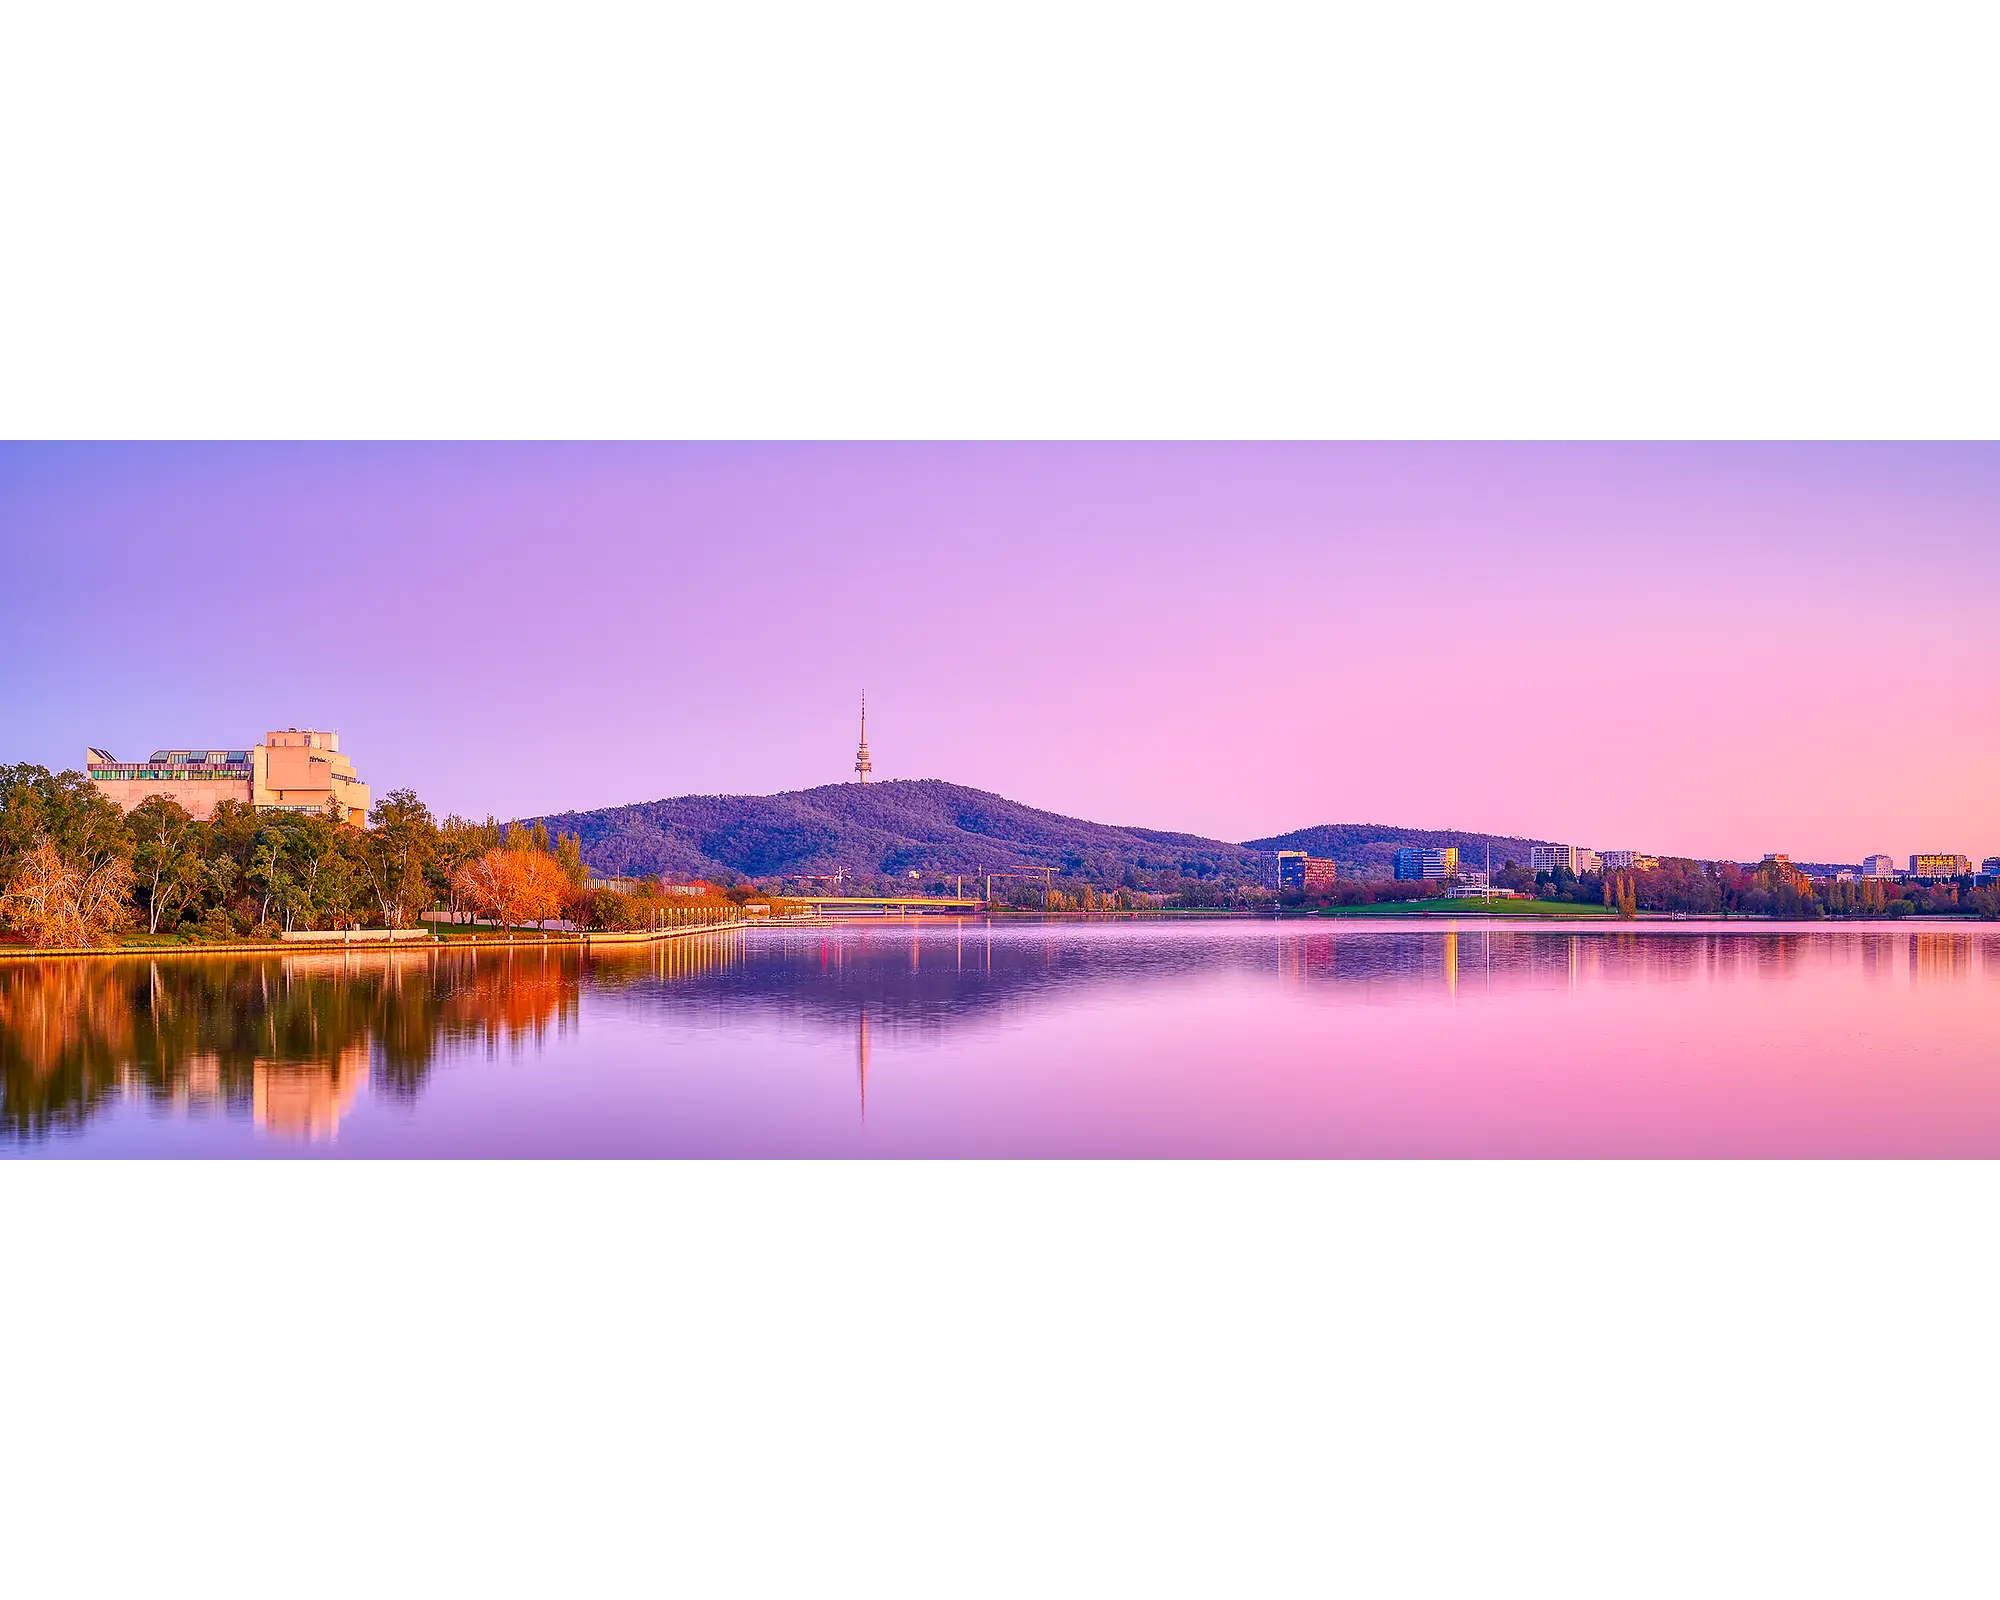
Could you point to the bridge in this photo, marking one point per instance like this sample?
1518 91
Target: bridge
842 905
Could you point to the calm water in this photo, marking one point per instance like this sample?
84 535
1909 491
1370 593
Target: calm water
960 1039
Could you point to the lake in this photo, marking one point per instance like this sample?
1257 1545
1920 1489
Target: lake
947 1038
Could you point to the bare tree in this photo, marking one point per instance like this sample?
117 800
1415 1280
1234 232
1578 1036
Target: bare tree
60 904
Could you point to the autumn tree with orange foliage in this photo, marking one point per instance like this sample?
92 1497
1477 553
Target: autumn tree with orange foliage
545 887
514 886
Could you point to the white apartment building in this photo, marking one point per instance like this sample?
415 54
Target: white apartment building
1552 858
1878 867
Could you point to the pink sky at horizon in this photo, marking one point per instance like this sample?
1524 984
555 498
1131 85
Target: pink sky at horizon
1700 649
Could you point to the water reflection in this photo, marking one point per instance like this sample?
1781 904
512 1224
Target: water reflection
307 1098
295 1046
1940 957
292 1040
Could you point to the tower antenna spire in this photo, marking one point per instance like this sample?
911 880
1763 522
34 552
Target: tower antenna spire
862 765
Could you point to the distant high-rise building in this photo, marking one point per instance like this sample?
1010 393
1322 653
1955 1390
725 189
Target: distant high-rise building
1552 858
1291 871
862 765
1587 861
1939 866
1878 867
1989 869
1626 861
1415 864
1320 875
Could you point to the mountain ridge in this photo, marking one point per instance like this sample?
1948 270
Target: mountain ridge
936 828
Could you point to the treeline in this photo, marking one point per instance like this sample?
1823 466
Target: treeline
1700 888
1764 888
1366 851
76 871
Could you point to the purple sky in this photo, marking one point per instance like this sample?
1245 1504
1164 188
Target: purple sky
1712 649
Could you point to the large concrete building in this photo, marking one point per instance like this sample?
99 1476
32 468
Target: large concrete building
1939 864
294 769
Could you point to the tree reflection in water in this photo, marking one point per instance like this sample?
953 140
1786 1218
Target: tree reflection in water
291 1040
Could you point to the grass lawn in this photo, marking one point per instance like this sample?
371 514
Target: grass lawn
1470 908
445 932
180 941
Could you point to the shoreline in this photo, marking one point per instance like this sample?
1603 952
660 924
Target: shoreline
541 940
538 940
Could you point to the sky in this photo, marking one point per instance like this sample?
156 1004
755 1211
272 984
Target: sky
1714 650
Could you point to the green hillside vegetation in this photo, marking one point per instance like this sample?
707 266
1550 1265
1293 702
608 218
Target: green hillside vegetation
873 834
1367 850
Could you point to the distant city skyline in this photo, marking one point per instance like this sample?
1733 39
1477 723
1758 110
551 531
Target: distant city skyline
1691 649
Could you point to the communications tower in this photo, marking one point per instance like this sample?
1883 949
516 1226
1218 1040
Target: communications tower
862 765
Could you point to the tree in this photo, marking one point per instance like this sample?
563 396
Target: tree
64 809
57 901
267 873
402 839
317 878
524 838
491 882
167 864
514 886
545 889
460 841
569 857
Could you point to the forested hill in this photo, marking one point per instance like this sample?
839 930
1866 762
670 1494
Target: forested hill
883 829
1368 849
